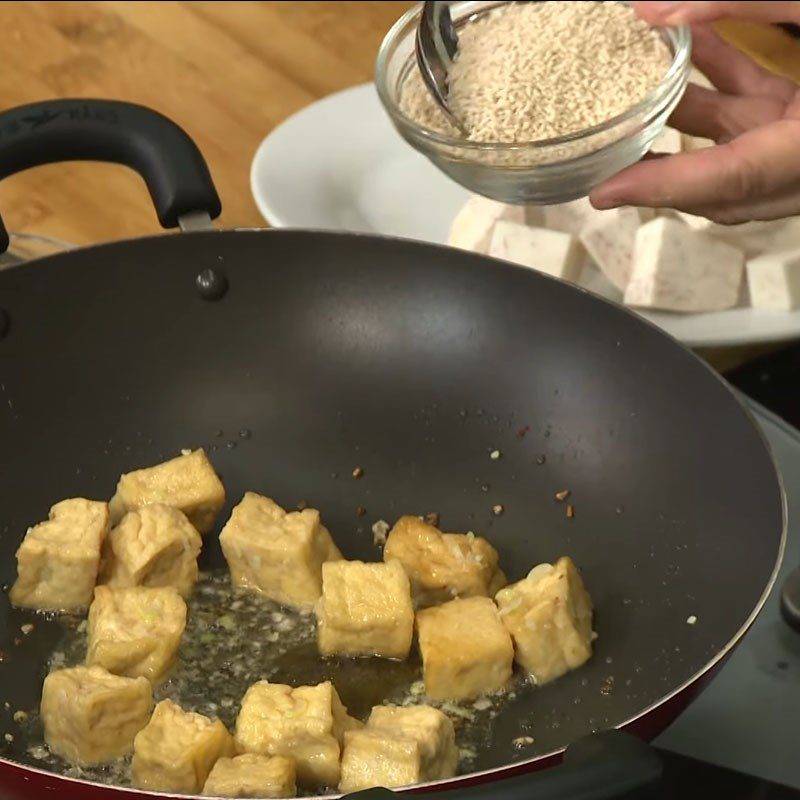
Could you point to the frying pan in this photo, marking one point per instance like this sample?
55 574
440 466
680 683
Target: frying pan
413 362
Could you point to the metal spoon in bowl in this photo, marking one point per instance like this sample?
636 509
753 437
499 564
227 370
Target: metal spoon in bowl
436 48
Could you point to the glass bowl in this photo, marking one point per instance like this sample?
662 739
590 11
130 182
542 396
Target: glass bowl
546 171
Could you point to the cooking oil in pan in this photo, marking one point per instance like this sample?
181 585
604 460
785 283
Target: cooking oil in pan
234 639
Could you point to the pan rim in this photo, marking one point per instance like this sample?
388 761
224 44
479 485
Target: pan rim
526 765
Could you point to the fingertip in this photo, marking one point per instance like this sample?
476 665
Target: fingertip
604 199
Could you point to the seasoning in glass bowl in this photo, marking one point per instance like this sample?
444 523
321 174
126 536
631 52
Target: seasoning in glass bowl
539 70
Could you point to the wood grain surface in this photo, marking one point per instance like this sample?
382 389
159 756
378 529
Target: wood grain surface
228 72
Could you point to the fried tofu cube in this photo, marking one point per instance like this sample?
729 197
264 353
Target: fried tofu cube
442 566
376 757
277 553
365 610
429 728
399 746
153 546
549 616
187 482
91 716
176 750
58 560
307 723
135 631
466 651
252 775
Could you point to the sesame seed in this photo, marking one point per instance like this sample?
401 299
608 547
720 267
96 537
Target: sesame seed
497 510
358 473
495 454
529 71
562 495
691 620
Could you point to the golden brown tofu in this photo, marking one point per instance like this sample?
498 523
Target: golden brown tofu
252 775
58 560
466 651
91 716
377 757
277 553
307 723
399 746
429 728
153 546
187 482
136 631
442 566
176 750
549 616
365 610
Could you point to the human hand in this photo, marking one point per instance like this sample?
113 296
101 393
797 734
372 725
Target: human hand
753 173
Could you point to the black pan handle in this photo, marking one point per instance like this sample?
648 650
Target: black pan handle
605 766
158 149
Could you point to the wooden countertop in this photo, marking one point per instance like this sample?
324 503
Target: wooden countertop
227 72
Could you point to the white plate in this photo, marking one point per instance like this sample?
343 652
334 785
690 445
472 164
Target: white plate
340 165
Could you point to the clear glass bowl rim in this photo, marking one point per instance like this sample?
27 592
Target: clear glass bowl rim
680 62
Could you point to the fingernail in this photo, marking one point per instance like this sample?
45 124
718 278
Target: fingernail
604 202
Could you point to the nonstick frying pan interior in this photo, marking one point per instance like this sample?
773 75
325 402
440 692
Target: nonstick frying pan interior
415 363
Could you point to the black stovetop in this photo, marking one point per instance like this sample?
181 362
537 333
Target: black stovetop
687 779
773 381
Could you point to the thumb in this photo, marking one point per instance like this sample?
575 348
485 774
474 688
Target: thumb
682 13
